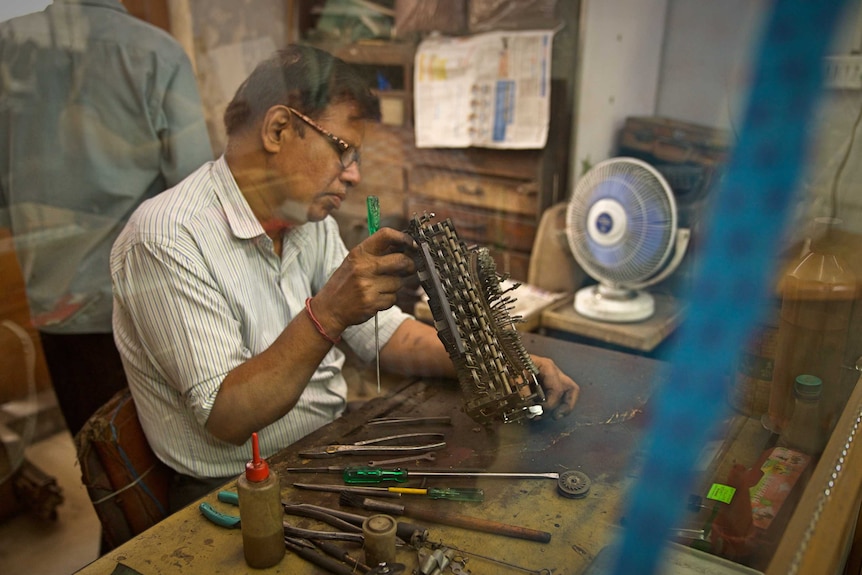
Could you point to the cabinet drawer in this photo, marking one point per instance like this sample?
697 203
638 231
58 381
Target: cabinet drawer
487 192
377 176
503 231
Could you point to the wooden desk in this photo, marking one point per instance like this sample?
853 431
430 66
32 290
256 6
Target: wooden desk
599 438
641 336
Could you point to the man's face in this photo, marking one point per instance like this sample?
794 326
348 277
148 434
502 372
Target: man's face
307 179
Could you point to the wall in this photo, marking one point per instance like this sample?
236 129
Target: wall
620 58
230 37
707 52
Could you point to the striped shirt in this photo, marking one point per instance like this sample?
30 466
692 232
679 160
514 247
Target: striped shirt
198 290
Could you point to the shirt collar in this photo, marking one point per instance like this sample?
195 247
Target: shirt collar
113 4
239 215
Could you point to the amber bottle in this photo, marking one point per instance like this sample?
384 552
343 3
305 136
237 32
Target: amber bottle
817 298
260 512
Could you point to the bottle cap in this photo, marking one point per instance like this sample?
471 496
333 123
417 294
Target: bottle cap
808 386
256 470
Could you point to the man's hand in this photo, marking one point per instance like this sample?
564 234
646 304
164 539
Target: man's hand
367 281
561 392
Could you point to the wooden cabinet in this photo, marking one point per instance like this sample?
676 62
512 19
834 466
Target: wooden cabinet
494 197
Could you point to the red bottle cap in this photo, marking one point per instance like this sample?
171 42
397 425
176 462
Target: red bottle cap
256 470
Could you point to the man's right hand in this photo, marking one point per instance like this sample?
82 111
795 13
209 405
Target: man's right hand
367 281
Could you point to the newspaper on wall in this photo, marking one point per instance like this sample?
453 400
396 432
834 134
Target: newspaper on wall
489 90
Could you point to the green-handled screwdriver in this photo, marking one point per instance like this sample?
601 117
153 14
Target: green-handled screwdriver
373 205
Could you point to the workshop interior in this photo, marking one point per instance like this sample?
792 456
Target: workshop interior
662 196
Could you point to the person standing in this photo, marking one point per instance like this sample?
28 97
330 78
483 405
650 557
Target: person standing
99 111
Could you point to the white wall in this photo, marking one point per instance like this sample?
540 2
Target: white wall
706 54
620 58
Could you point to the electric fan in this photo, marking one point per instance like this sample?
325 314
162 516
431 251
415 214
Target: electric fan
621 223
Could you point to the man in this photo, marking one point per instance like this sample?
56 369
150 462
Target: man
232 288
98 111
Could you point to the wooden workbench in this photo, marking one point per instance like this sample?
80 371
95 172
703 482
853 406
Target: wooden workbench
599 438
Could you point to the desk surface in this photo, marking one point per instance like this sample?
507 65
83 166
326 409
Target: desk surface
599 439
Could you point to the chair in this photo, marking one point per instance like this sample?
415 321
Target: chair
127 483
552 265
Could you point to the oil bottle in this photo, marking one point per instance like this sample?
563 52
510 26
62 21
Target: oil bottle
260 512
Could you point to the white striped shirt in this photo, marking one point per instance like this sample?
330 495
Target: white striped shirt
198 290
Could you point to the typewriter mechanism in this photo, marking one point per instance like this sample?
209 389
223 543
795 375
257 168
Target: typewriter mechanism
471 314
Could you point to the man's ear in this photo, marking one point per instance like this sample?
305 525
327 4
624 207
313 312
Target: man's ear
276 126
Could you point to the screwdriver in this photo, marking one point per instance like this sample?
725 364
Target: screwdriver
450 493
372 203
372 475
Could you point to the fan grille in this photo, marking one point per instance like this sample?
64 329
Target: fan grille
621 221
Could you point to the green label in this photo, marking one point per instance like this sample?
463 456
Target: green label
722 493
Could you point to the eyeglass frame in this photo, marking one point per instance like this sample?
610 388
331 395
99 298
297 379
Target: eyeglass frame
346 151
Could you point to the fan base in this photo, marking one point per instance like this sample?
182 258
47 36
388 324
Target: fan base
635 306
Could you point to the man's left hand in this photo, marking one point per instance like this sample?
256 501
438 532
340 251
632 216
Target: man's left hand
561 392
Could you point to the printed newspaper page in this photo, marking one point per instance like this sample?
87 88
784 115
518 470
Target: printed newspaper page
489 90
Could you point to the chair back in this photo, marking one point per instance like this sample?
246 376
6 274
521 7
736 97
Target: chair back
127 483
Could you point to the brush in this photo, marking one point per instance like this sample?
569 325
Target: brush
444 518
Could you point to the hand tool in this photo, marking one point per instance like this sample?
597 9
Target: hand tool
375 491
444 518
450 493
410 533
371 447
312 556
233 522
337 552
373 205
300 541
373 475
423 457
443 420
542 571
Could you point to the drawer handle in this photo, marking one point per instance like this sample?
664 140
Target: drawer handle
529 189
477 191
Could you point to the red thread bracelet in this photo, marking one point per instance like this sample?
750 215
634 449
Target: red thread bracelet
317 324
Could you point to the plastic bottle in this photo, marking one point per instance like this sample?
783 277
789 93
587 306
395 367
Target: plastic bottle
260 512
817 299
804 432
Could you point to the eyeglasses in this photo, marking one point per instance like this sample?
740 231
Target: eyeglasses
347 153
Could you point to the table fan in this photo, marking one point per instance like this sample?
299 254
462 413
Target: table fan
621 223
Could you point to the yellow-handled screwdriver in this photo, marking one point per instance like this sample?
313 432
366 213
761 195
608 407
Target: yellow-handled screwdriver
373 205
450 493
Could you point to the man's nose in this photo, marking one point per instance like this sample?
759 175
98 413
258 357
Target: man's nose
351 174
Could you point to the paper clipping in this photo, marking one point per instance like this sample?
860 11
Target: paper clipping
490 90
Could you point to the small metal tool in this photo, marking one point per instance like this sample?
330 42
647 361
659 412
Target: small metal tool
373 447
443 420
423 457
373 205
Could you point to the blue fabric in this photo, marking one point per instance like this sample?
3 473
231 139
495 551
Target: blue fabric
738 259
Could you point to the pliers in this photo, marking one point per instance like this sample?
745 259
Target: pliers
303 542
370 447
233 522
